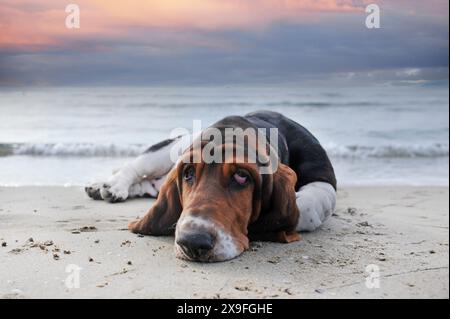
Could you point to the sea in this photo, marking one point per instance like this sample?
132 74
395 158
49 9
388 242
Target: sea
67 136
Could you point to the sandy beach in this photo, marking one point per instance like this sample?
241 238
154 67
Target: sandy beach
402 231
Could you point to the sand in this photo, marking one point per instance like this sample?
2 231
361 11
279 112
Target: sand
401 231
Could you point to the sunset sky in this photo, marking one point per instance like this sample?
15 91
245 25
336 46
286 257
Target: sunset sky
198 42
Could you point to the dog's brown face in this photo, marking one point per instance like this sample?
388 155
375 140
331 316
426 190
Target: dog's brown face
216 208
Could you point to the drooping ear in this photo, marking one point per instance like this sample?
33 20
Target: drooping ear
279 215
163 215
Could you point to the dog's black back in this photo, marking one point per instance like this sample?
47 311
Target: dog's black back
297 147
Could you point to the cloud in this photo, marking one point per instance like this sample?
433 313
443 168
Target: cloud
223 42
30 25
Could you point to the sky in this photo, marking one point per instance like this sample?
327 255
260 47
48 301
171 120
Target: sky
223 42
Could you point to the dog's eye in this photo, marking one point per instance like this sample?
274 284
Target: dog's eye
189 173
241 177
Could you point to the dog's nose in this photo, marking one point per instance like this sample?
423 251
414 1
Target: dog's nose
196 245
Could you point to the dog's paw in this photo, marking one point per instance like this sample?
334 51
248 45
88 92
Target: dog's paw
113 194
93 191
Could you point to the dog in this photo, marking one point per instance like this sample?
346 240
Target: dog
214 208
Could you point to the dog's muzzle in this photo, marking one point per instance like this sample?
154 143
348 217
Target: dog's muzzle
196 245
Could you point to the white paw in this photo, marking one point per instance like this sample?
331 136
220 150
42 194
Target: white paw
114 194
146 188
316 202
93 191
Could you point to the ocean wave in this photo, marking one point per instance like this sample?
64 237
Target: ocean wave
113 150
324 104
388 151
72 149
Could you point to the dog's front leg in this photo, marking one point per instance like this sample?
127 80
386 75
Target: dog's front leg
156 162
146 188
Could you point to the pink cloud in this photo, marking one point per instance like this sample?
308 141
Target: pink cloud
33 25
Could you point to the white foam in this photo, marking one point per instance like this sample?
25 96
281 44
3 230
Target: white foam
73 149
388 151
433 150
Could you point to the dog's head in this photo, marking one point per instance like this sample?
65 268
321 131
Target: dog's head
218 207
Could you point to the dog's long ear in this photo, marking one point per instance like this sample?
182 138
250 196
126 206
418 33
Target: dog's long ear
163 215
279 215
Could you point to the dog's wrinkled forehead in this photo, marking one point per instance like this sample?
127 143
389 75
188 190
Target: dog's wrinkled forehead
214 146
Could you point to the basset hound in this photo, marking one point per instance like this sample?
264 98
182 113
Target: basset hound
215 207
